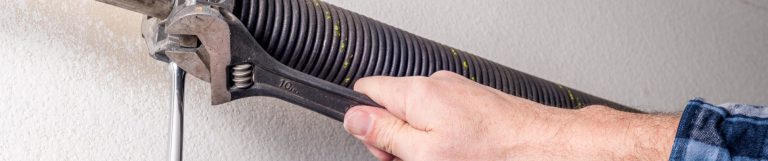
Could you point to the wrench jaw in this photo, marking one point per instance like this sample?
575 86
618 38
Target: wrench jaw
190 33
205 39
185 50
274 79
228 48
209 27
153 32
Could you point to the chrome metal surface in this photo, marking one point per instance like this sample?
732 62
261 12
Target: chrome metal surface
176 131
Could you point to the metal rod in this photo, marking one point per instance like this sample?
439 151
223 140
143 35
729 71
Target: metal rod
177 113
154 8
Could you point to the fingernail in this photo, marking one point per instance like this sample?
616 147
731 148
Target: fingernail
359 122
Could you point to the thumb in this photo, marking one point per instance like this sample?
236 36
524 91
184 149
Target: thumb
382 130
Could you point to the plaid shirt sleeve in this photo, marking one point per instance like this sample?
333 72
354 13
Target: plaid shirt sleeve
726 132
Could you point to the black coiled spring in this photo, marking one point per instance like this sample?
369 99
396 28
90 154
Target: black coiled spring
340 46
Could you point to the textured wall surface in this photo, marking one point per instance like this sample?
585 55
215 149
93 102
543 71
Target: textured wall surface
77 83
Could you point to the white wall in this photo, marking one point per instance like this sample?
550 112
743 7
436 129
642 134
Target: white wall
77 83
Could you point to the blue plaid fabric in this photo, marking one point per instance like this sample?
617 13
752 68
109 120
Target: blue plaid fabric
726 132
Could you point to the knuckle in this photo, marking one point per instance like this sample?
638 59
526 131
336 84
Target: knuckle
423 84
423 89
597 108
447 74
443 73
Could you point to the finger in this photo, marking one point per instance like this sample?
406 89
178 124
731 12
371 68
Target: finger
451 76
390 92
382 130
379 154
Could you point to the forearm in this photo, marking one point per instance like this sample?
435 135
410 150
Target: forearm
601 132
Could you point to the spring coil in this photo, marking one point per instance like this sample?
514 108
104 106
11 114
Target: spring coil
242 75
340 46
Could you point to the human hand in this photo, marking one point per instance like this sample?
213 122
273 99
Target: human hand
448 117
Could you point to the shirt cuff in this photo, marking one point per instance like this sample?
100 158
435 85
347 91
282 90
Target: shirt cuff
724 132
